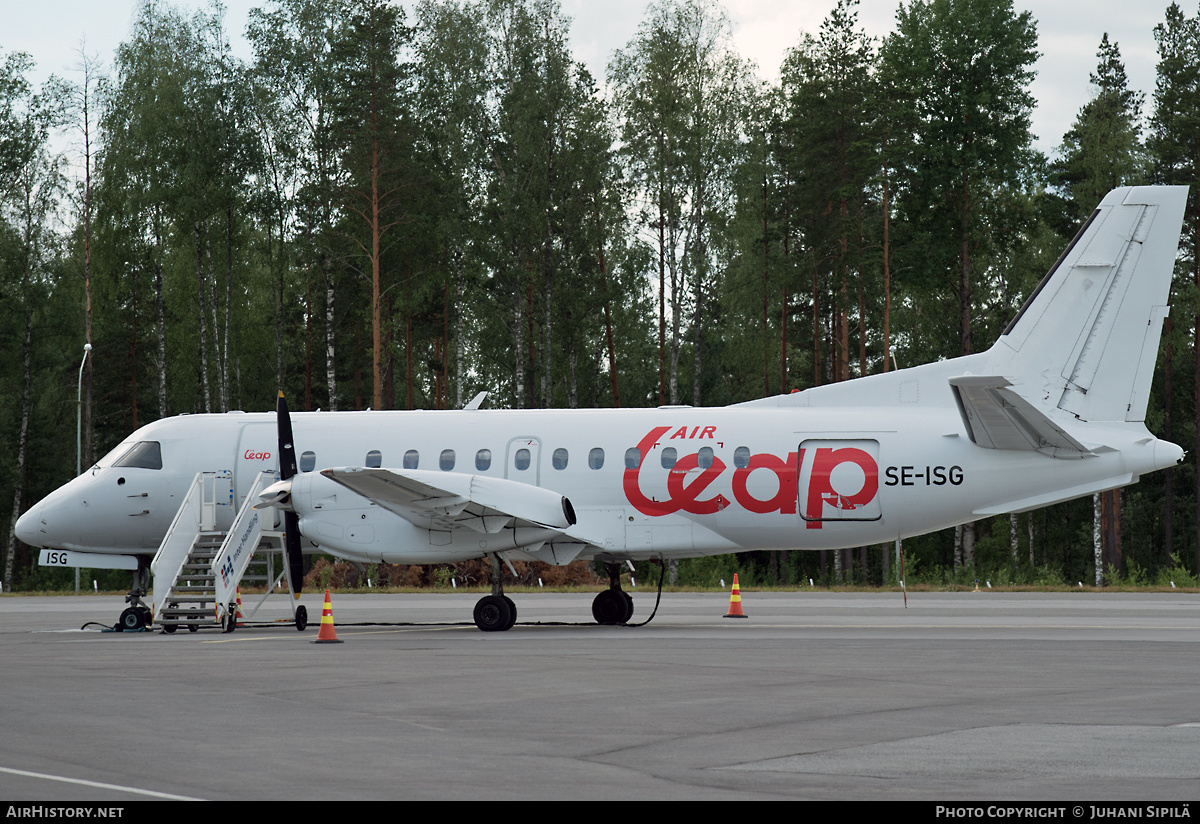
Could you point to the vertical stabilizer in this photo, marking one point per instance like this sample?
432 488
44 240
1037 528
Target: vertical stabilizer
1087 339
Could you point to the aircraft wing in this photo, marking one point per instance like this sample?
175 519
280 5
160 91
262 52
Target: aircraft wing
998 418
447 501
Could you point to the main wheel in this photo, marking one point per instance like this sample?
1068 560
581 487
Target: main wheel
513 608
610 607
628 606
493 613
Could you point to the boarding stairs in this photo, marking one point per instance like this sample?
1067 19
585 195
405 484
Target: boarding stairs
199 567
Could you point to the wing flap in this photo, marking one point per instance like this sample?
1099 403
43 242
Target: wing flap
440 500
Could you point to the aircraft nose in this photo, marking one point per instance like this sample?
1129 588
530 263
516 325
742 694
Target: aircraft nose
30 529
58 520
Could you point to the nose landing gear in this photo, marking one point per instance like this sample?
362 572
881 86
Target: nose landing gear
137 616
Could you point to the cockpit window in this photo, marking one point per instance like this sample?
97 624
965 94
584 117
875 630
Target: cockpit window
143 455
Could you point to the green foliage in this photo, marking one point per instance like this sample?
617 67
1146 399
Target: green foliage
529 227
1176 575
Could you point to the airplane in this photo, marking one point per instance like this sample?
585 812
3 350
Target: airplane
1054 410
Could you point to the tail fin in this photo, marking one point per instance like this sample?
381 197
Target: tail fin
1087 339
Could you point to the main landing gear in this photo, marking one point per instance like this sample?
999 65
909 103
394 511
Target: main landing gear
495 612
137 615
613 605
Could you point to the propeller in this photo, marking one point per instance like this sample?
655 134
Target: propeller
282 494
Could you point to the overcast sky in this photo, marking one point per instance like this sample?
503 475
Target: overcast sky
1069 34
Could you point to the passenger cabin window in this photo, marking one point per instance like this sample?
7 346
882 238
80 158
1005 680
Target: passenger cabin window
669 456
446 461
633 458
411 459
705 458
521 459
559 459
741 457
374 459
596 458
308 461
483 460
143 455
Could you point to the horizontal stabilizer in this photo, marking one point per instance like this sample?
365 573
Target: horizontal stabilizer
1057 496
998 418
444 500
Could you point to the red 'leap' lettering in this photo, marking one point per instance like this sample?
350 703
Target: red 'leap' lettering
821 491
685 496
680 496
785 499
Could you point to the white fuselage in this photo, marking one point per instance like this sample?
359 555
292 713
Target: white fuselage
739 478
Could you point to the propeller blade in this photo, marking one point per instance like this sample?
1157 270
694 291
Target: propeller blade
291 521
287 449
291 548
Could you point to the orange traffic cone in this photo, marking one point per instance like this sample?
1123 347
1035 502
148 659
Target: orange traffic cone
326 635
735 601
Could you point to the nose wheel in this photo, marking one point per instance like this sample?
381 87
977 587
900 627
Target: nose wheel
134 619
137 616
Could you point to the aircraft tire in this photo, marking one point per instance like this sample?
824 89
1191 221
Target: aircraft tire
609 607
628 606
513 608
493 613
131 619
301 618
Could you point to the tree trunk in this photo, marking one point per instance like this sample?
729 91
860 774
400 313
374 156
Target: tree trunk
203 322
330 371
22 442
161 318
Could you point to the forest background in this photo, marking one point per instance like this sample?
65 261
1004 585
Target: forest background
397 211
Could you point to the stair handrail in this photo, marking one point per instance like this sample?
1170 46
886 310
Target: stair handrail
241 542
189 522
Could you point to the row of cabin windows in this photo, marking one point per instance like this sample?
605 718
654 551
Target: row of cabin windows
558 459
